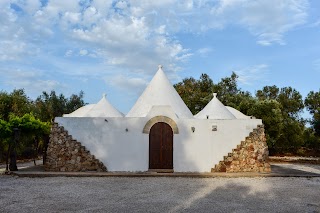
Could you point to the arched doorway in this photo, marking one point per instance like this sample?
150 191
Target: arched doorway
161 147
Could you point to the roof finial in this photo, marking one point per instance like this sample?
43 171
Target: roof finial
215 95
160 67
104 95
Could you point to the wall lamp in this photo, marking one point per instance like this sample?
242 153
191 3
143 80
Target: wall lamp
193 129
214 128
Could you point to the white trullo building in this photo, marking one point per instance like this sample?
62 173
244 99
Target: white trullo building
159 134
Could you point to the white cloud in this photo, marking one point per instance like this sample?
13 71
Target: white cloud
268 20
68 53
33 81
103 5
250 75
131 85
203 52
83 52
56 7
267 39
71 17
161 29
11 50
90 16
31 6
315 24
134 35
121 5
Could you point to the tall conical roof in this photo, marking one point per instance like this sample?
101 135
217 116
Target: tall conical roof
103 109
158 93
215 110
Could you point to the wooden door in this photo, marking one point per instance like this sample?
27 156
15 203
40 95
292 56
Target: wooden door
161 146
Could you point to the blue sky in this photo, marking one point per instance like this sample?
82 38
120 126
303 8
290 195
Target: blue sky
114 47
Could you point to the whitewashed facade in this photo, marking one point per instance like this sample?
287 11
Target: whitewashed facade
122 143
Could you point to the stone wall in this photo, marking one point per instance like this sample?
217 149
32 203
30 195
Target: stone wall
251 155
66 154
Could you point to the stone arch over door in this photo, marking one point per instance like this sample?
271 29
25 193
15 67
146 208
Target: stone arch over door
164 119
161 147
161 130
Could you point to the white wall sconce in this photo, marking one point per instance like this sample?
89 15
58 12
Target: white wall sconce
214 128
193 129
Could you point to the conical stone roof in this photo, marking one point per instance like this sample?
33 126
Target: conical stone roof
80 112
159 92
237 113
215 110
103 109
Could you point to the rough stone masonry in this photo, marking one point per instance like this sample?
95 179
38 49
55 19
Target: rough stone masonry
65 154
252 155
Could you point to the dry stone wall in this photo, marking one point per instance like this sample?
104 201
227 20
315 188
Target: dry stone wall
68 155
252 155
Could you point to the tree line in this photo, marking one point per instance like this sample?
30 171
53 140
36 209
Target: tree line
32 119
279 108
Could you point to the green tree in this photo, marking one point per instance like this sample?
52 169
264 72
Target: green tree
227 90
289 98
312 102
231 95
74 102
291 105
195 93
311 140
16 103
18 110
48 106
291 102
270 113
32 131
268 93
5 134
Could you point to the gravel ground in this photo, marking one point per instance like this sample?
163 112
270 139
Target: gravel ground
302 167
62 194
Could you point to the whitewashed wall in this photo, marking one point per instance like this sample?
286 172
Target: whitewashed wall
122 150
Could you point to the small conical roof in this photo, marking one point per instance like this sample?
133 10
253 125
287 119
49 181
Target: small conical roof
215 110
103 109
80 112
237 113
158 93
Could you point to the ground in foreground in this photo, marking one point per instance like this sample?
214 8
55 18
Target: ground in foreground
160 194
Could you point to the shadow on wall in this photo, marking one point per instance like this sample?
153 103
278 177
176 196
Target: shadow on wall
184 160
118 144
